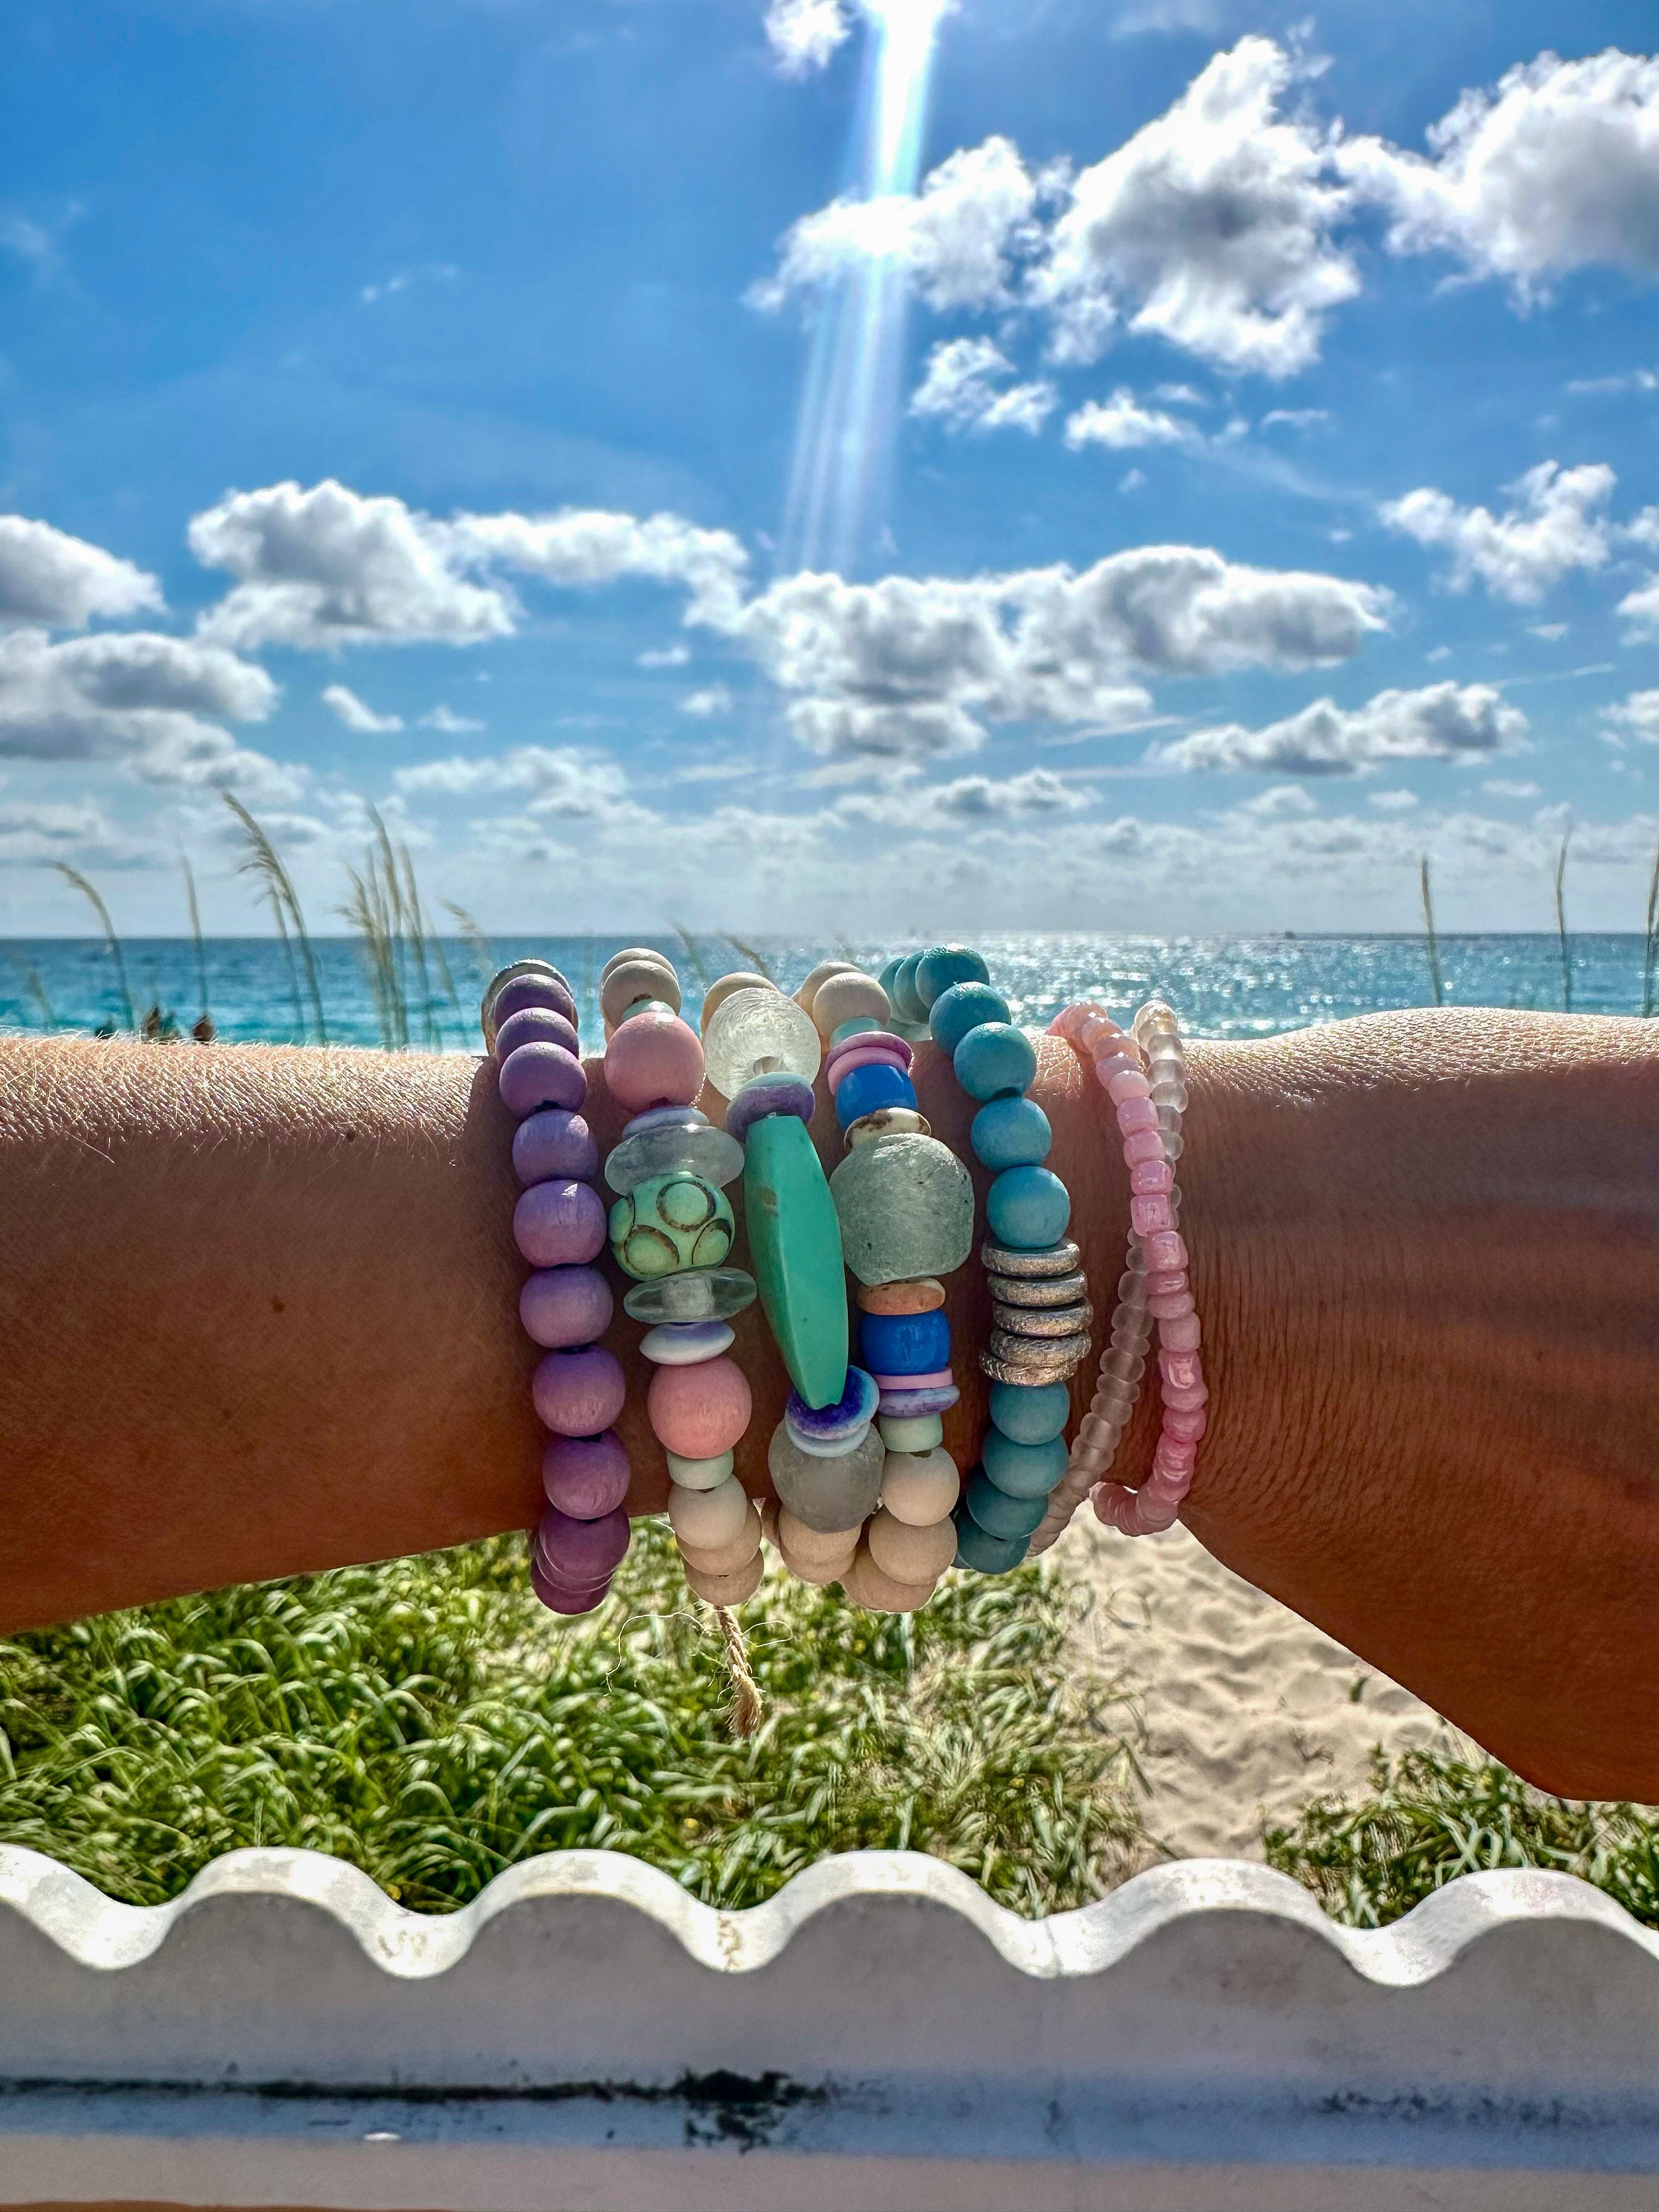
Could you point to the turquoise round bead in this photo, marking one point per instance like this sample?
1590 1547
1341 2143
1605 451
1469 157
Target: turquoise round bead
985 1554
996 1513
902 992
1030 1413
855 1025
993 1059
964 1006
889 976
1027 1208
1012 1132
1022 1470
944 964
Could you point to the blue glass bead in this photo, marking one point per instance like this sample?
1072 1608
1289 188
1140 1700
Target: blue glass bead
904 997
1027 1208
863 1090
1012 1132
1030 1413
904 1343
944 964
855 1025
993 1059
964 1006
985 1554
1022 1470
998 1514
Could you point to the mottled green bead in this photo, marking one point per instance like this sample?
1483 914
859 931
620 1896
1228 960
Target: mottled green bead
670 1223
906 1208
794 1239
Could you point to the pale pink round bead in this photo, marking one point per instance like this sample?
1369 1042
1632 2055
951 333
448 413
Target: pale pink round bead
1170 1305
1161 1283
1111 1064
1128 1083
1180 1400
1180 1333
1137 1113
1144 1143
1190 1426
1095 1030
1181 1371
700 1411
1151 1212
653 1058
1147 1176
1165 1250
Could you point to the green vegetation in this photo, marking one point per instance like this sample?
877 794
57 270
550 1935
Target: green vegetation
428 1722
1432 1817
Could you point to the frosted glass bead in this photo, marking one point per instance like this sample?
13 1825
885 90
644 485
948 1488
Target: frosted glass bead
683 1344
1167 1117
1174 1145
633 977
1027 1208
906 1208
727 1591
867 1586
807 990
1131 1084
1112 1065
1151 1212
1148 1177
1011 1132
887 1121
760 1032
999 1514
1031 1414
994 1058
1096 1433
1131 1287
827 1493
699 1474
1172 1096
1123 1366
719 991
669 1223
726 1559
707 1294
921 1487
694 1146
708 1518
840 998
912 1437
943 965
1144 1144
911 1550
1181 1334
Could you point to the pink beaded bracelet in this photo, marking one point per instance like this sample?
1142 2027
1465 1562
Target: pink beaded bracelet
1143 1076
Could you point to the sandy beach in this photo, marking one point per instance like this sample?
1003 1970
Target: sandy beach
1241 1710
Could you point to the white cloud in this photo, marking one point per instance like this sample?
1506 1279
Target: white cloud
1443 721
34 832
1122 423
1638 715
1556 526
447 720
713 699
1395 802
580 547
668 656
51 581
1503 788
802 34
1295 418
1640 609
1168 16
1212 227
960 390
356 716
1552 632
1635 379
971 800
560 780
956 239
1557 169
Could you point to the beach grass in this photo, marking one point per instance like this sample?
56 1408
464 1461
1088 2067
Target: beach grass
1430 1818
426 1721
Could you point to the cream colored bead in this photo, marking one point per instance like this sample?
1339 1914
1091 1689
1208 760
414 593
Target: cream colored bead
768 1514
819 1572
699 1474
740 980
708 1520
642 977
840 998
808 990
908 1554
727 1558
921 1487
726 1589
806 1543
866 1585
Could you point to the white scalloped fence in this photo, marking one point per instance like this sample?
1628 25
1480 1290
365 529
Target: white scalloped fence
587 2038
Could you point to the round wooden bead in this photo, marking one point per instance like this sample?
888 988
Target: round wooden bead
964 1006
921 1295
699 1474
708 1520
631 952
866 1585
653 1058
561 1306
537 1075
578 1554
999 1514
578 1394
911 1551
727 1558
807 991
532 985
839 998
647 976
1010 1132
920 1488
1030 1415
1027 1208
943 965
727 1591
699 1411
1020 1470
815 1546
670 1223
985 1554
559 1225
554 1145
820 1573
721 989
994 1059
563 1601
585 1477
535 1025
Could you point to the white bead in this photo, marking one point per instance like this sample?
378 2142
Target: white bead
685 1344
699 1474
707 1519
910 1554
759 1032
920 1488
727 1558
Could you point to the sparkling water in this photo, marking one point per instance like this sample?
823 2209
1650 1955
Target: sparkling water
1222 986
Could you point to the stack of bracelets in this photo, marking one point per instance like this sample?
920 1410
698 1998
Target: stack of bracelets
868 1496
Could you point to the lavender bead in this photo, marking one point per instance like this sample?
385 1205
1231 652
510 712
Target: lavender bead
533 991
579 1554
555 1144
541 1075
831 1430
536 1025
585 1477
578 1394
564 1306
768 1094
910 1405
563 1601
559 1225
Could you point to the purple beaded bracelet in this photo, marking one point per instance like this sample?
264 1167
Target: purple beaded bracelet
529 1017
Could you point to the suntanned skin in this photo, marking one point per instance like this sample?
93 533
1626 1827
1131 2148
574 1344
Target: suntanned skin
257 1313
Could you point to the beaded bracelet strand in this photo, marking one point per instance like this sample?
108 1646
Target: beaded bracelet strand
529 1015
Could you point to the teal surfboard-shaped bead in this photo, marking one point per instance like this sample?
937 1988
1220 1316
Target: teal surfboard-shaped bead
794 1240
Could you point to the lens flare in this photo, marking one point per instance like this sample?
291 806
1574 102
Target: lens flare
844 440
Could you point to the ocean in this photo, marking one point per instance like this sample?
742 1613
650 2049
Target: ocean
1230 987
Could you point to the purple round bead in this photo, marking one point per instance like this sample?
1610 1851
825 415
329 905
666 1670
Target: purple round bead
563 1306
563 1601
768 1094
578 1394
541 1075
559 1225
585 1477
910 1405
536 1025
555 1143
580 1554
549 991
848 1419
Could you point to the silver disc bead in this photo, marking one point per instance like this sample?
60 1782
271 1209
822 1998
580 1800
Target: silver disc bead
1063 1258
1040 1322
1038 1289
1026 1371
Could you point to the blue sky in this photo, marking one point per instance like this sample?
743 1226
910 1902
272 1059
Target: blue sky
1202 465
